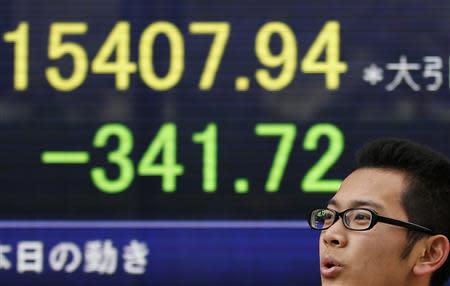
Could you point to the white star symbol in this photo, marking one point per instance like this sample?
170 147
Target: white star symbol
373 74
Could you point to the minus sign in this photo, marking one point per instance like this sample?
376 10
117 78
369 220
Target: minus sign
65 157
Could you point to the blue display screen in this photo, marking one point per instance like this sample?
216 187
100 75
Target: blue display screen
159 253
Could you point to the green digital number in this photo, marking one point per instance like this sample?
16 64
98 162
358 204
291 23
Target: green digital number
118 157
313 180
165 143
209 140
287 134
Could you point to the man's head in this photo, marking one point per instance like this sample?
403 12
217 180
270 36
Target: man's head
400 180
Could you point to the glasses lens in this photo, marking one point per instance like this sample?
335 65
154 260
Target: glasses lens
321 218
358 219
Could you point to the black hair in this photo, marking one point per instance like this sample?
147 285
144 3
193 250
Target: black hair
426 199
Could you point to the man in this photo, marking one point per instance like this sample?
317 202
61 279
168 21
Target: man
389 223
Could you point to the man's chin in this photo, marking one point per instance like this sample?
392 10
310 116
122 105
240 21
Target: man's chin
333 282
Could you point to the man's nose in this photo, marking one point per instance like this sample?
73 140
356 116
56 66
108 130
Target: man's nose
336 235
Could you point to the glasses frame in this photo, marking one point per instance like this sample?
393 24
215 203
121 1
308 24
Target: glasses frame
375 219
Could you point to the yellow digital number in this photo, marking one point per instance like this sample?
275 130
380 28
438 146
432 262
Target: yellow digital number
118 40
287 58
58 49
20 38
328 40
221 32
176 62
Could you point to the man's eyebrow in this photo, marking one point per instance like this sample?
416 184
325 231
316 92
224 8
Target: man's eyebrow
333 202
358 203
361 203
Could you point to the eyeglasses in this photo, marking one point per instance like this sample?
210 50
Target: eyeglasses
358 219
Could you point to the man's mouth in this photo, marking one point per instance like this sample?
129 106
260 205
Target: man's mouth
330 268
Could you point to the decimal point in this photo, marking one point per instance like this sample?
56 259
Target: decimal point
241 186
242 83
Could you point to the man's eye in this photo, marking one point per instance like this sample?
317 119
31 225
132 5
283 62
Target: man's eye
327 216
362 216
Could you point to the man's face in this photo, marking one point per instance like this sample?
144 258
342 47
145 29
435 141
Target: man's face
370 257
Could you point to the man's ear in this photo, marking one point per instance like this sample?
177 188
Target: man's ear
435 251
